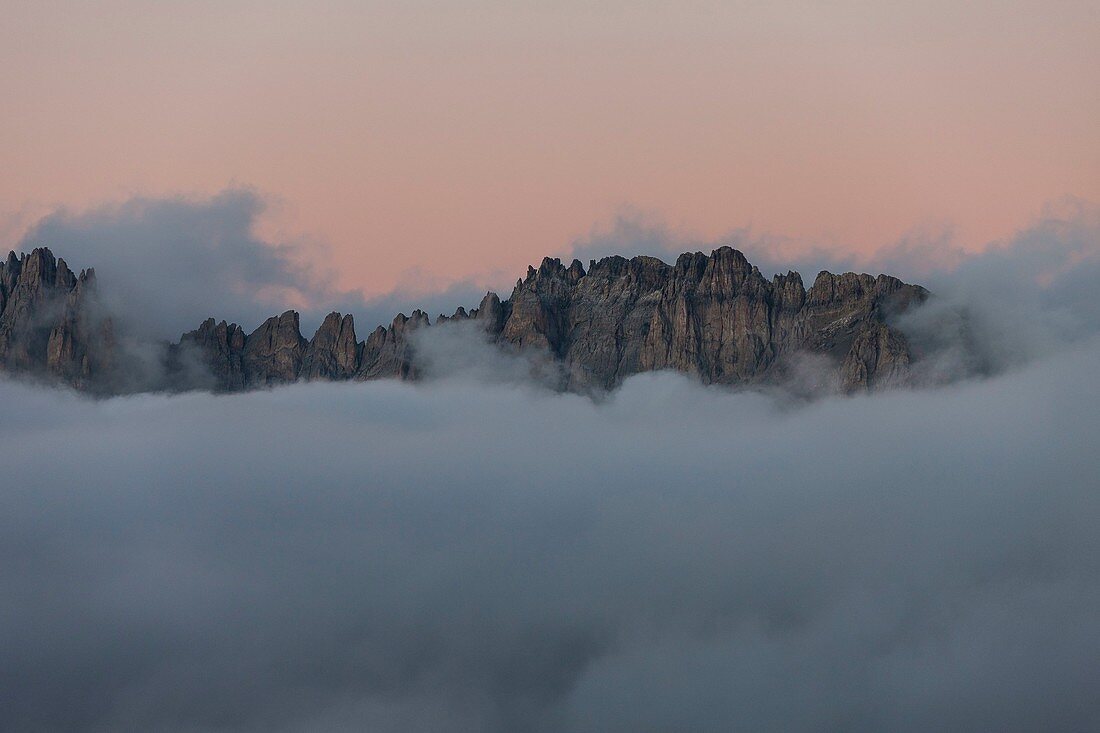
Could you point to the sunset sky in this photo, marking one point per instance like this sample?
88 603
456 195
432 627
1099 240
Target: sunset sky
442 140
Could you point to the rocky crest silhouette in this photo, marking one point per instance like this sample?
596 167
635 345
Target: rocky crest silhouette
711 316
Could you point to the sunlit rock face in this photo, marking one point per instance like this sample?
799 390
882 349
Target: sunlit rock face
715 317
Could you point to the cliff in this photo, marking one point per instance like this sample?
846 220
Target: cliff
50 325
711 316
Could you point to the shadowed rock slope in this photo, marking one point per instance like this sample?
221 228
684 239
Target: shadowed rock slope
711 316
50 326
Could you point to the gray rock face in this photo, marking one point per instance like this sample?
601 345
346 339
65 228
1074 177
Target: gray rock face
274 352
388 353
333 353
220 346
50 323
711 316
715 317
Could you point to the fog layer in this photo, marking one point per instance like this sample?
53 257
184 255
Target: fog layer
457 556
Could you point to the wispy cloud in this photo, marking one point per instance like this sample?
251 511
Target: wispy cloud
167 264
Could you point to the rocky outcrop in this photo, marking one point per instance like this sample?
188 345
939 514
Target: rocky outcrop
219 348
50 323
333 353
714 316
878 357
389 352
274 352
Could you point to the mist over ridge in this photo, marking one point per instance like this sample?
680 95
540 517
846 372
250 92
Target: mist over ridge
713 316
193 258
478 550
408 366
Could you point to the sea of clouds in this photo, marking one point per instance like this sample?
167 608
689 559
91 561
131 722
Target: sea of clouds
478 553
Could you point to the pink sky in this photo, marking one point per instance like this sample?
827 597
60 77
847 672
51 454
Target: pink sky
457 137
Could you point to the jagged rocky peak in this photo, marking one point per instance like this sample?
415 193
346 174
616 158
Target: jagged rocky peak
50 324
460 314
714 316
220 347
273 353
553 268
333 353
491 313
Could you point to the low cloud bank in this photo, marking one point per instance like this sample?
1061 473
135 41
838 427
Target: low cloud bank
459 556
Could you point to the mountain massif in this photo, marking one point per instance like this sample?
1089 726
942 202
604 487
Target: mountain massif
714 316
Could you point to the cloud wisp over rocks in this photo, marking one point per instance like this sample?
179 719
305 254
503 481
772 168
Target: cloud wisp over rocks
464 556
166 264
477 552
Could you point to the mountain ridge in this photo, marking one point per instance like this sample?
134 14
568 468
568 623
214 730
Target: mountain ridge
714 317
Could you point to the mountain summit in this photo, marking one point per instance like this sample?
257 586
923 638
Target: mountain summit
714 317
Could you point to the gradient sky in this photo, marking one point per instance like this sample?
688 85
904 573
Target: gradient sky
451 138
